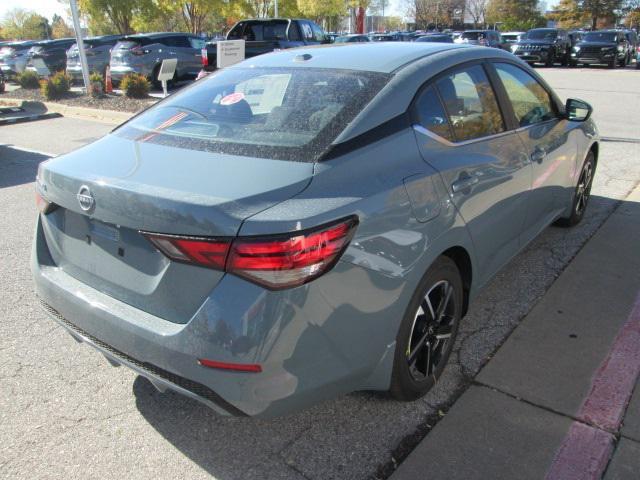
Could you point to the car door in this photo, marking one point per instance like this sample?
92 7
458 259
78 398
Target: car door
545 137
462 133
188 57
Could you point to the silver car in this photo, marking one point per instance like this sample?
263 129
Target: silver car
14 57
310 222
98 53
144 53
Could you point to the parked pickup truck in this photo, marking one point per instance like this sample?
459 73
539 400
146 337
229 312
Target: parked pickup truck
263 36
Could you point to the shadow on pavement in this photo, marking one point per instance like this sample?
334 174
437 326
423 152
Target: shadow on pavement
18 166
365 428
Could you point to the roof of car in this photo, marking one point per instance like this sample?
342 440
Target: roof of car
158 34
374 57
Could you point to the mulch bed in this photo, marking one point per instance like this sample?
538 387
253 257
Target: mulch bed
118 103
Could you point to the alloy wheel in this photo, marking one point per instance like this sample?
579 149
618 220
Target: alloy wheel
431 331
584 188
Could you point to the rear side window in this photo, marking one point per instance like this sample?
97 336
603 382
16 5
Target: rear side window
470 103
294 33
431 115
279 113
318 34
531 102
198 43
236 32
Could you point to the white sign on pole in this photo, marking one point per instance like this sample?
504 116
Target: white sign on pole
41 68
230 52
167 71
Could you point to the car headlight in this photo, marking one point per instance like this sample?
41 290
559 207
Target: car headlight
620 48
514 48
576 49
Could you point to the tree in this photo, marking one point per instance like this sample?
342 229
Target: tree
21 24
568 14
597 13
120 13
515 14
320 11
59 28
605 10
477 10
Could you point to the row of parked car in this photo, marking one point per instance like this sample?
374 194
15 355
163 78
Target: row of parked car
144 53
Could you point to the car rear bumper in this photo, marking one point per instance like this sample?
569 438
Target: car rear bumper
304 345
118 72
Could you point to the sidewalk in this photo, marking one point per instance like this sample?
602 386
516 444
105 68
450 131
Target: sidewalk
554 401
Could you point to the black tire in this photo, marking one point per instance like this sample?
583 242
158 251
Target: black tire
411 380
154 78
551 58
581 194
565 60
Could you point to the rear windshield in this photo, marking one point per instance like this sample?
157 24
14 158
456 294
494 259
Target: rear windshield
129 43
542 34
276 113
600 37
260 31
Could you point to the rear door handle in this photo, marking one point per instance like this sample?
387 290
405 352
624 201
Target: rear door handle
538 155
463 184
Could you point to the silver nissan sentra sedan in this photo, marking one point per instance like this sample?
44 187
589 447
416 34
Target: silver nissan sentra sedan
309 222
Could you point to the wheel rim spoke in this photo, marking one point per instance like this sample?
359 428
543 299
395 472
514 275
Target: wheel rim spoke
431 331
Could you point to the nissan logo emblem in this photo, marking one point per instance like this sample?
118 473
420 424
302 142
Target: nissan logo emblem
85 199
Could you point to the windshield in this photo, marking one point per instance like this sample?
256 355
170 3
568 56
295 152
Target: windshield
542 35
278 113
600 37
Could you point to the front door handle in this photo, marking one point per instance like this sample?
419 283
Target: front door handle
463 184
538 155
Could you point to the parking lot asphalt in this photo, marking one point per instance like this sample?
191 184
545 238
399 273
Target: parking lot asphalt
65 413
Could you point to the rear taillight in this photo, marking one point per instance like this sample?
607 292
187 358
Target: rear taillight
43 205
275 262
205 57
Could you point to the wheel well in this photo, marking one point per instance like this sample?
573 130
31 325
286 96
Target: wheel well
463 261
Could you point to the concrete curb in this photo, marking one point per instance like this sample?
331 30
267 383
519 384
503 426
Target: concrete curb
106 116
28 118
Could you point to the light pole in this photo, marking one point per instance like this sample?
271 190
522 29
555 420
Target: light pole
83 56
275 9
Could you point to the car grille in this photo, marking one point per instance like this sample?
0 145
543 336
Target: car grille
194 387
591 50
529 48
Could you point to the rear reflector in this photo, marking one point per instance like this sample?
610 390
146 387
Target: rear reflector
43 205
238 367
275 261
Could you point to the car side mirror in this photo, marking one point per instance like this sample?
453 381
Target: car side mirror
577 110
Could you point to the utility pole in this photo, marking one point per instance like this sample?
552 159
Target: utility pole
83 56
275 9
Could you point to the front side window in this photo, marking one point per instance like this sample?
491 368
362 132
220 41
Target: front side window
278 113
531 102
470 103
431 115
318 34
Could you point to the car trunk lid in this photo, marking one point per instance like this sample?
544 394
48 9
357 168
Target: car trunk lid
144 187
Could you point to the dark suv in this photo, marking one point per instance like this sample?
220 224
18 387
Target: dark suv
544 45
608 47
52 52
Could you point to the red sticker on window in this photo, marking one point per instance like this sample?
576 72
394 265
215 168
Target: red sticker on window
232 98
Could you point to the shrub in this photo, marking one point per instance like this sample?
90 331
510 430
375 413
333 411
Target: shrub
135 86
56 86
96 84
96 77
29 79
